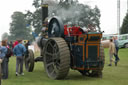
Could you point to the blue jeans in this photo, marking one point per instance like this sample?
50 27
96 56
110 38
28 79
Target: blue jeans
116 55
19 64
5 68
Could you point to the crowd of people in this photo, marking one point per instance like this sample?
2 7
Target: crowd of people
113 50
17 49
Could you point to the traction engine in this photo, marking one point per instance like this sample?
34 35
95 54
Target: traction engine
70 47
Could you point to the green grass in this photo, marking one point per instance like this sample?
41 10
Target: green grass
111 75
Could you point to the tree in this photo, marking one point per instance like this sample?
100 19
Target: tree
124 27
19 28
70 11
34 18
5 36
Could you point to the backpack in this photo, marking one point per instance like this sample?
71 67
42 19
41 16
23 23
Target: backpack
9 53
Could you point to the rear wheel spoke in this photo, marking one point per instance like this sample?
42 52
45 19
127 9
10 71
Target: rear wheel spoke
49 53
53 71
51 45
49 64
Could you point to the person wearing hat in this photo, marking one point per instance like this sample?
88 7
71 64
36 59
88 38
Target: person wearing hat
19 50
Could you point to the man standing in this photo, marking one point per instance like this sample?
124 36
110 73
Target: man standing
111 51
117 49
19 51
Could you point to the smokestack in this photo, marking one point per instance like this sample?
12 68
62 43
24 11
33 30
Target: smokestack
44 13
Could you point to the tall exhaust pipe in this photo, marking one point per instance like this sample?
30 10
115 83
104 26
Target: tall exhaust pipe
44 13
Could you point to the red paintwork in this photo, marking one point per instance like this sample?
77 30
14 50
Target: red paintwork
73 31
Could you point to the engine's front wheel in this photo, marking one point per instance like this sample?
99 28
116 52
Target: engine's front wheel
29 61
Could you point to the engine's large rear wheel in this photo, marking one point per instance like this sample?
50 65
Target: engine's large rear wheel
56 58
102 56
29 61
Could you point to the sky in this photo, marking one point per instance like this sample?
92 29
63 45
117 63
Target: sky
108 10
7 7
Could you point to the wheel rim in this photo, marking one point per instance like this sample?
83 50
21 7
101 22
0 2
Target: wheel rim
126 45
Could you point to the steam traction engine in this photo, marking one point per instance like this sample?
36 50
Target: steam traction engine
70 47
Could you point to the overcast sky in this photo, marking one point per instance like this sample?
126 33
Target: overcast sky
108 10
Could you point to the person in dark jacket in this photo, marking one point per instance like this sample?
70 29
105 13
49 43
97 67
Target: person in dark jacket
117 49
4 59
19 51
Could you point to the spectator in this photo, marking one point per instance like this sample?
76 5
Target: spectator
26 46
19 51
4 60
117 49
111 51
11 45
15 43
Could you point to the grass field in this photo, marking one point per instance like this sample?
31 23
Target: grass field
111 75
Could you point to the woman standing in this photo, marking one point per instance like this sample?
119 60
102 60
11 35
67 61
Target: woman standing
4 63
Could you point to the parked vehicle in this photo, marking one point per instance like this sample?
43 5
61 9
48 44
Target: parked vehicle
122 40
